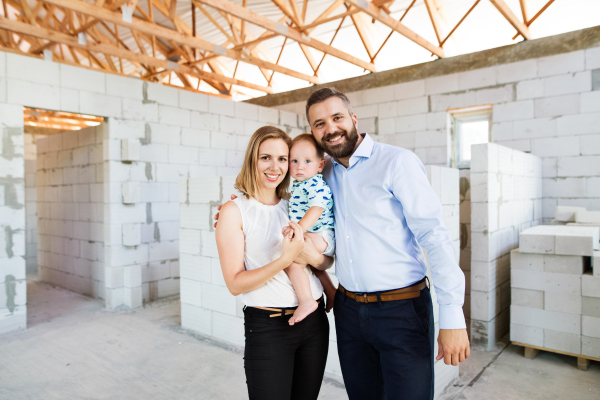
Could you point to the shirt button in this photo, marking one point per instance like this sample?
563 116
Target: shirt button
356 285
347 215
347 237
345 172
346 193
350 261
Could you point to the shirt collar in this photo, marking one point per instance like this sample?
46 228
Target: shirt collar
296 183
364 150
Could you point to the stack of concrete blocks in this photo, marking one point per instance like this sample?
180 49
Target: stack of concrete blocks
70 186
465 239
506 197
31 201
13 288
556 289
206 304
549 106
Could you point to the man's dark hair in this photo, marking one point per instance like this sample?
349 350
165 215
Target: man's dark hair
323 94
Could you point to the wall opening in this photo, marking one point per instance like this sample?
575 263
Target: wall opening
469 126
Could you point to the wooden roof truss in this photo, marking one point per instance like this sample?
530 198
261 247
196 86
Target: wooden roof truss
93 36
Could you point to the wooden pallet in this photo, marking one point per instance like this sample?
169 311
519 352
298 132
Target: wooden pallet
583 362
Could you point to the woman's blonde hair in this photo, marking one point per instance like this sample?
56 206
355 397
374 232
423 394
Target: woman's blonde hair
247 181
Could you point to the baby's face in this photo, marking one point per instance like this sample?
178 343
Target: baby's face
304 162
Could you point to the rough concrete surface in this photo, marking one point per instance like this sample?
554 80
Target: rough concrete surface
76 349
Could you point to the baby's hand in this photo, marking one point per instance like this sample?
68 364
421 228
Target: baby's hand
286 230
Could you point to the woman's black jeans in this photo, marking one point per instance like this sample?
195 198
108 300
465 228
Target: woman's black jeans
284 362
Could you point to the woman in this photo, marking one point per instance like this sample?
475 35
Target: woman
281 361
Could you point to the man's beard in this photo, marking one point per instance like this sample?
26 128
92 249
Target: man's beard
341 150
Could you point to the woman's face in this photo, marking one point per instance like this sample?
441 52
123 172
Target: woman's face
272 163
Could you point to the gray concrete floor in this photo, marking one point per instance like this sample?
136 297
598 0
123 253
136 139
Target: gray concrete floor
76 349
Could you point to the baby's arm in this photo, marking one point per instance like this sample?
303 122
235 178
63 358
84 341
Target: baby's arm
310 218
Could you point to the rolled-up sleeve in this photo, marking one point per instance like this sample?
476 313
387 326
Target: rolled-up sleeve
423 212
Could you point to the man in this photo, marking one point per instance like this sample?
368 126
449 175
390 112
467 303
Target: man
385 210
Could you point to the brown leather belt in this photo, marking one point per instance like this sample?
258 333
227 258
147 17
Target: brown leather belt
400 294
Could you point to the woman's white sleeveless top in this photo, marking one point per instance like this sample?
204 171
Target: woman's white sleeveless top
262 225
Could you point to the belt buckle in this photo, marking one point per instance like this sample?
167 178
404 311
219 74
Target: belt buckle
363 295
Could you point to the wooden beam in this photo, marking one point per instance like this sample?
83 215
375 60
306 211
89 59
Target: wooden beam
435 19
38 32
169 34
524 10
286 11
328 11
511 18
172 9
313 25
460 22
286 31
374 12
528 23
362 33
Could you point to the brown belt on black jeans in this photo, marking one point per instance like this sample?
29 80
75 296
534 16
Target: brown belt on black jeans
399 294
282 311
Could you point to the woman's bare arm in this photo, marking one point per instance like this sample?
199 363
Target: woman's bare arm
230 244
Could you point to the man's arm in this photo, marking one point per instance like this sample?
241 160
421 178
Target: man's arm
423 213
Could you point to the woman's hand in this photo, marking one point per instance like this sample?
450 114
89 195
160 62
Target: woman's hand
293 243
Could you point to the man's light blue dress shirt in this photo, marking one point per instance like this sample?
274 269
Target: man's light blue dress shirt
385 210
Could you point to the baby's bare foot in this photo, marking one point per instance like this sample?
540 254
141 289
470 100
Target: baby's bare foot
303 310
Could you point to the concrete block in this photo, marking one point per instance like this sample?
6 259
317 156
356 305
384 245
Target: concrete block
484 158
196 318
130 192
527 298
566 213
590 306
132 276
512 111
124 87
590 102
196 268
530 89
168 287
483 77
204 190
577 240
527 334
229 328
205 121
32 94
590 326
268 115
132 234
100 104
561 63
590 285
561 322
590 346
587 217
546 281
218 298
561 302
132 297
193 101
130 150
408 107
563 264
411 123
195 216
539 239
191 292
441 84
579 166
409 90
556 147
562 341
590 144
383 94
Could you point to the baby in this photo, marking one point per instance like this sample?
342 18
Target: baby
311 206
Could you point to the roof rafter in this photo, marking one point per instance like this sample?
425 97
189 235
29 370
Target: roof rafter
286 31
70 41
511 18
169 34
390 22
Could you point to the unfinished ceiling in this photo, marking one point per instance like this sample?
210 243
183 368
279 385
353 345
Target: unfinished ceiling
248 48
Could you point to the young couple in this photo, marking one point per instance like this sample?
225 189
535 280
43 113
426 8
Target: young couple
373 208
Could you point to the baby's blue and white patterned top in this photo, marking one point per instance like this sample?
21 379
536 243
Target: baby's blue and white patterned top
312 192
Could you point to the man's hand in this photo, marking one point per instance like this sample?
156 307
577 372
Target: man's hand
308 254
233 197
286 230
453 346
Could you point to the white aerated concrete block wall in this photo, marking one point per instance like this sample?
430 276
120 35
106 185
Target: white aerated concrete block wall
209 308
506 197
70 186
31 201
13 288
549 106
